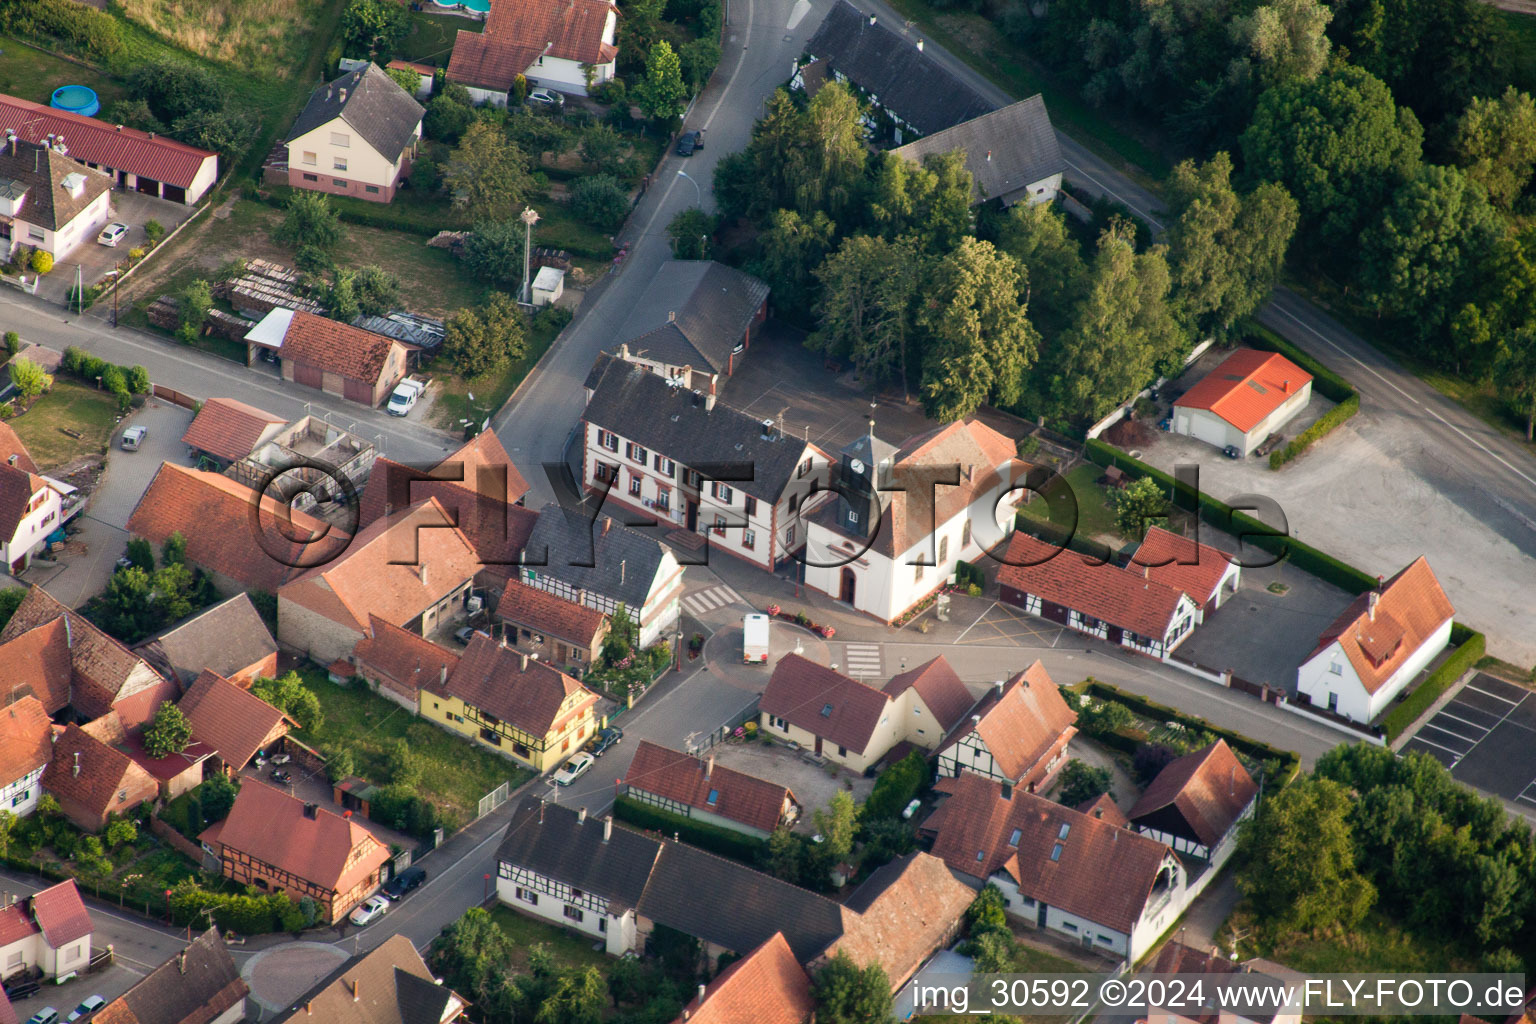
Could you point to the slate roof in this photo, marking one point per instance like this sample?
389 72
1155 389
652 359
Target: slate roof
48 204
233 721
602 555
550 614
109 780
227 638
767 986
371 103
26 738
1022 724
515 687
516 32
388 985
226 533
1183 562
1408 609
673 775
11 444
905 80
823 702
551 840
940 688
903 912
408 659
1127 598
1005 150
396 568
336 347
271 826
1246 387
641 406
693 313
1206 790
95 141
1103 873
37 664
228 429
60 913
17 486
192 987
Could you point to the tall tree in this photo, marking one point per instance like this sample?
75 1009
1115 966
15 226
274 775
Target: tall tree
168 732
1036 235
310 220
977 338
846 993
1495 142
473 954
289 695
579 997
1514 373
869 288
487 175
791 249
836 824
1224 250
482 339
834 151
1299 868
662 93
1339 144
1288 39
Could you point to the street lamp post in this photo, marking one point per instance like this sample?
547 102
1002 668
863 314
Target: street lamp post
116 276
698 193
529 219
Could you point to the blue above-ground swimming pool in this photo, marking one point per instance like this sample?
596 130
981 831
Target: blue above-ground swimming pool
478 6
77 99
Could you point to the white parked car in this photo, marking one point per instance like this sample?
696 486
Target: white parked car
573 769
133 437
112 234
403 398
546 98
370 910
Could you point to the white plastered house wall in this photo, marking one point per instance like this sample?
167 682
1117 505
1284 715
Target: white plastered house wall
19 796
1205 425
34 527
61 243
337 150
1329 678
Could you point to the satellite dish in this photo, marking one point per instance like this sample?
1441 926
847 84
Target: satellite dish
857 466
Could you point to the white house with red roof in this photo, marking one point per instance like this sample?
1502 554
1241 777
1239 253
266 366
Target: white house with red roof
1249 396
26 744
1123 605
552 44
49 931
903 517
1196 803
1208 575
1018 734
1378 645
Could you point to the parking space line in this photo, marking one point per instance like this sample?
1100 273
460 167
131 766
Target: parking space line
1495 696
1435 723
1446 714
1418 737
984 613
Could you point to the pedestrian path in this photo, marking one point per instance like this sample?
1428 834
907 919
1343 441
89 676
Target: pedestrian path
702 601
862 659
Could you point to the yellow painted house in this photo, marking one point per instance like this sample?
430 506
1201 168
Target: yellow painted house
513 704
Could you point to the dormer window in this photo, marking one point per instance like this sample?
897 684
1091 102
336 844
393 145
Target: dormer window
853 517
74 184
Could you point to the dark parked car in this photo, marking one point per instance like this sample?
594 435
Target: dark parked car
281 777
19 988
407 881
1232 451
688 143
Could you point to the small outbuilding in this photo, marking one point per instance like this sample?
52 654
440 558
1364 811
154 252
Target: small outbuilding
1249 396
548 286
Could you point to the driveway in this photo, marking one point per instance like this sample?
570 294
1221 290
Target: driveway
813 785
94 550
94 259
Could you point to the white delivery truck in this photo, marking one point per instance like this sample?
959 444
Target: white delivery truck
754 639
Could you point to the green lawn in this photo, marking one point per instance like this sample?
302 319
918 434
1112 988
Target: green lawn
1094 516
569 948
455 772
431 38
1377 944
73 406
492 389
33 75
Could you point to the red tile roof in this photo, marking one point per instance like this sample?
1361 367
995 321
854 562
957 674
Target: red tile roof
1104 808
231 720
336 347
404 657
1246 387
550 614
421 69
823 702
903 913
1021 725
1122 597
1207 790
517 32
673 775
10 444
1182 562
26 737
1103 873
333 852
518 689
17 488
37 662
8 1012
61 914
1378 638
119 147
229 429
164 769
767 986
108 780
226 533
488 469
396 568
940 688
15 924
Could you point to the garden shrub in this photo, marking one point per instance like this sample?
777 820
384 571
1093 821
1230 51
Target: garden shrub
726 842
896 786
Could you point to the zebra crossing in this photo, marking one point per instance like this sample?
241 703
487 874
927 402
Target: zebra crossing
862 659
702 601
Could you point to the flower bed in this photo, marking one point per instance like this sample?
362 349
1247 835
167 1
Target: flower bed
802 620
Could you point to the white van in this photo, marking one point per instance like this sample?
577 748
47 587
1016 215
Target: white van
754 639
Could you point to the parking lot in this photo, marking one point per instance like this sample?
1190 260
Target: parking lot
813 785
1486 736
1004 624
94 260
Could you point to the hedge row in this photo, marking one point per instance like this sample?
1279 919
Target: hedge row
1325 382
1471 650
1335 417
726 842
1254 749
1222 516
